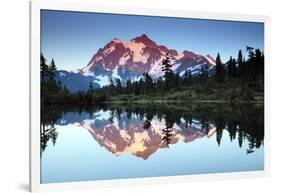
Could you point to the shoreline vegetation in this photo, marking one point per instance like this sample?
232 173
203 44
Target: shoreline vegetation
237 82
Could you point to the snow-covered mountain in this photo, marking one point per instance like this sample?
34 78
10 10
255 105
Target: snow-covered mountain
129 60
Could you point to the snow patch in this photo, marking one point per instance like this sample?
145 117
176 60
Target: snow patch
103 80
210 60
156 67
179 56
125 135
89 122
182 73
115 73
62 74
98 59
175 66
108 50
88 73
103 115
137 49
124 59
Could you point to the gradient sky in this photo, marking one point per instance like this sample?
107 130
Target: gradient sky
72 38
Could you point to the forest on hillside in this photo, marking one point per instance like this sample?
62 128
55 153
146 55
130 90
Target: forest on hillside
237 81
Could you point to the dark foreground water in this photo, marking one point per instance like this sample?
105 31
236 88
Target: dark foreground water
132 141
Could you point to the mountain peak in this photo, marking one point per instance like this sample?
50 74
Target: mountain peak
145 40
142 37
116 40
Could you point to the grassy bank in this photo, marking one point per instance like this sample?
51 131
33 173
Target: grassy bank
191 95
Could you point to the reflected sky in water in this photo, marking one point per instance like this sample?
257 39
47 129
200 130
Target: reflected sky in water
117 142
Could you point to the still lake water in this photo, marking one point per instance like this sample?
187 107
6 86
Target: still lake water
132 141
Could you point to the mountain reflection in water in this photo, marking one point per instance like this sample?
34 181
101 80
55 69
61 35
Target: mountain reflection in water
142 130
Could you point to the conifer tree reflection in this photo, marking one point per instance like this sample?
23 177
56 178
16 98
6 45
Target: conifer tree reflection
118 113
168 131
220 126
110 119
147 122
240 137
232 129
49 116
243 124
48 132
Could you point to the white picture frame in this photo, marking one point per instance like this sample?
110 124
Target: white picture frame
36 6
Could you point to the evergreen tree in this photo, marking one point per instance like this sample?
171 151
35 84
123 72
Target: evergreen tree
136 88
190 82
148 82
240 64
204 76
160 85
235 70
66 97
177 81
91 87
231 68
52 69
111 87
89 97
255 66
50 89
259 61
65 91
185 78
168 72
189 78
43 67
118 86
220 71
80 97
141 86
250 52
129 87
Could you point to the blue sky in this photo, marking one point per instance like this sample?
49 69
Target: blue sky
72 38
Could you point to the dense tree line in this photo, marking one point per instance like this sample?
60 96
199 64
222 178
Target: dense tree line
52 91
146 85
247 75
249 71
242 77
